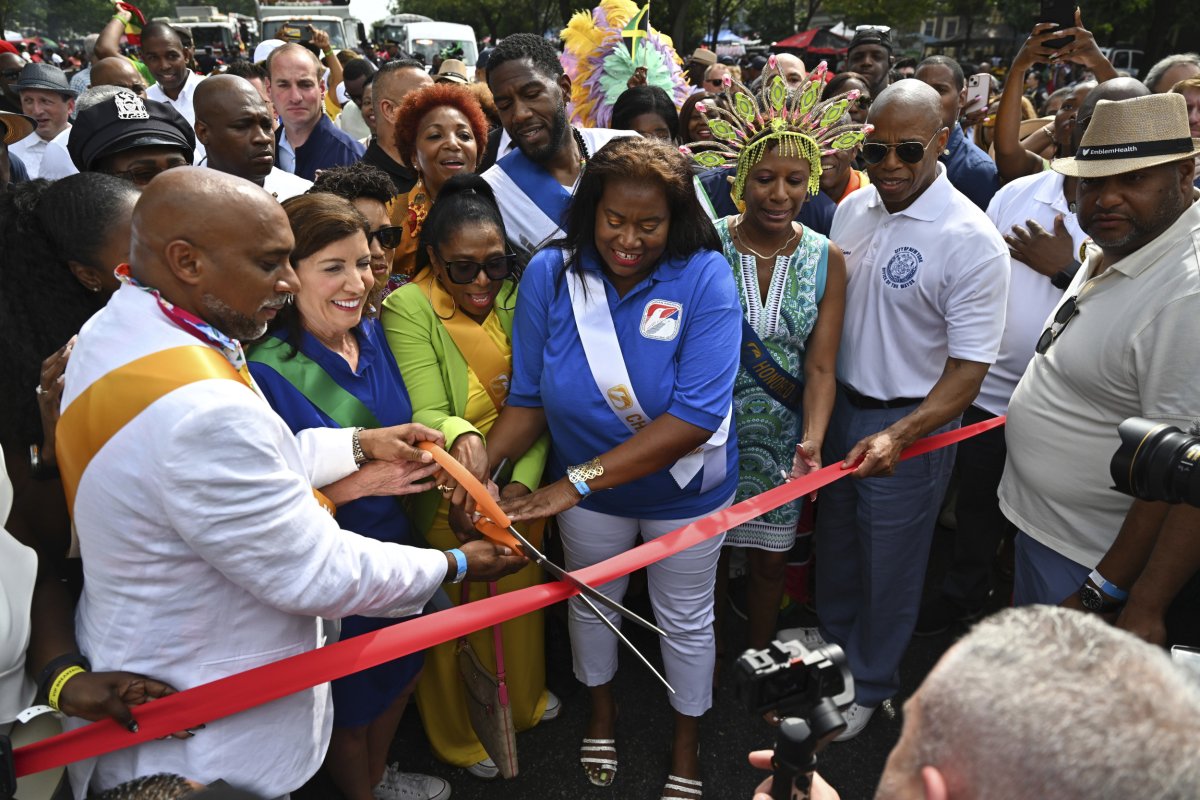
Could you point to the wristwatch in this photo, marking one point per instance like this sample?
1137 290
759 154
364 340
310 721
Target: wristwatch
360 457
580 474
1099 594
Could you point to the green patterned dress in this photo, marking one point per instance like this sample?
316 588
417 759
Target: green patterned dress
767 430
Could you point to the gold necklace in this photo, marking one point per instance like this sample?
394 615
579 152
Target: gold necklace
737 233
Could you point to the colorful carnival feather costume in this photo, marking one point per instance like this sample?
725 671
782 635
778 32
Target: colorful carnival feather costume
602 50
798 124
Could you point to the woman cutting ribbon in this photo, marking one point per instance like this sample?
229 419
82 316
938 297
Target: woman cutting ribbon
792 284
451 332
326 366
625 348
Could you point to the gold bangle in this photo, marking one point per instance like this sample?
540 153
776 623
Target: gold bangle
585 471
61 681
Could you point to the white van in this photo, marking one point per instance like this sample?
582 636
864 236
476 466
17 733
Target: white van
430 38
1125 60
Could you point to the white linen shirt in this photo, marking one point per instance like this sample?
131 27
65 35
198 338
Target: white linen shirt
206 554
284 184
184 104
1130 352
923 284
32 151
1031 295
57 163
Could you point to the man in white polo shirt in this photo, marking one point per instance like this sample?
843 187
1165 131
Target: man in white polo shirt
927 280
1036 216
1121 344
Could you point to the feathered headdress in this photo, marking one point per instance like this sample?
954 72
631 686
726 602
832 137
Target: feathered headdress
798 123
604 48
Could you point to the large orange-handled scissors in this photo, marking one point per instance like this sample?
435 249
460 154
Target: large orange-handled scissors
496 525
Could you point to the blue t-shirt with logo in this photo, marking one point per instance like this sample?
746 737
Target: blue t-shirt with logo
679 332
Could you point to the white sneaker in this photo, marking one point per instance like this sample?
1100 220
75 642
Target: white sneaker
553 707
397 785
485 770
857 718
811 638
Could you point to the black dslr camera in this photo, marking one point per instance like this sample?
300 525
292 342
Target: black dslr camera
807 690
1157 462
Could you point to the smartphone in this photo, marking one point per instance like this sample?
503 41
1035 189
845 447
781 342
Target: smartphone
290 34
978 87
1062 14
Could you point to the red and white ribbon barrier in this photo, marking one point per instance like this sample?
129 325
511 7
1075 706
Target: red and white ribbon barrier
227 696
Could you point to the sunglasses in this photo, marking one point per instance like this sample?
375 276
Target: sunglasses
908 152
389 236
11 75
143 175
497 269
1066 312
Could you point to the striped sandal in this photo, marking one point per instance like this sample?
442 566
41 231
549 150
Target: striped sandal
678 788
600 768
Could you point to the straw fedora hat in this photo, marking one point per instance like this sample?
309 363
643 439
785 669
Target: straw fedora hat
15 126
1128 135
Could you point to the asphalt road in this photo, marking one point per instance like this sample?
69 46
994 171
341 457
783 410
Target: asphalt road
548 754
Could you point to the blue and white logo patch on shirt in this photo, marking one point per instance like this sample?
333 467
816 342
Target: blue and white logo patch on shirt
660 320
901 269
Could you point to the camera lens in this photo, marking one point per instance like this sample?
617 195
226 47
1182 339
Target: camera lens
1157 462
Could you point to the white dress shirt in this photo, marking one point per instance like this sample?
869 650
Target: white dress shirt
284 184
57 163
923 284
32 151
206 554
184 104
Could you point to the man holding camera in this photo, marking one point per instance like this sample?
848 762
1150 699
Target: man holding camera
1120 344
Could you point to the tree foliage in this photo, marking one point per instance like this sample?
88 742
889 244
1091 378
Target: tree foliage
66 19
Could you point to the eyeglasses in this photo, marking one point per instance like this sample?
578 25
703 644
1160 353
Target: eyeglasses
497 269
1066 312
388 236
908 152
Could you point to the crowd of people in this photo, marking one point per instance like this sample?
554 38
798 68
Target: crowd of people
241 304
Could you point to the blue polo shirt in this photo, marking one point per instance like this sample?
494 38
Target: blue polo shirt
816 213
327 146
690 376
969 169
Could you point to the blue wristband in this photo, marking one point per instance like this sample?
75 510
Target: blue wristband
1108 588
582 487
460 558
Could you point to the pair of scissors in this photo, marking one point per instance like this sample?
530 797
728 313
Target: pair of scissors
496 525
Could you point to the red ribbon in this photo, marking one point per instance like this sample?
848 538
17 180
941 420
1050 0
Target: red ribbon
235 693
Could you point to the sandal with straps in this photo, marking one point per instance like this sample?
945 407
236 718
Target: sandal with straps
599 771
682 788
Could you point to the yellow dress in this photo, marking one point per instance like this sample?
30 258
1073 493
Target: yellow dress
440 694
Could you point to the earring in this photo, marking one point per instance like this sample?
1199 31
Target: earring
95 289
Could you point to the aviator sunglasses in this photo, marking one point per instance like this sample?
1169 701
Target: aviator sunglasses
908 152
463 272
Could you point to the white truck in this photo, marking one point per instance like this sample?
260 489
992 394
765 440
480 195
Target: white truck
213 32
290 21
420 35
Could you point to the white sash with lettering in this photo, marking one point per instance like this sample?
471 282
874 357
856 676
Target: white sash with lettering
607 363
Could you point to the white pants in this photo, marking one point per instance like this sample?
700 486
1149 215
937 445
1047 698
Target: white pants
681 591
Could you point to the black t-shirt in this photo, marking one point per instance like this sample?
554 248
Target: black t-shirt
402 176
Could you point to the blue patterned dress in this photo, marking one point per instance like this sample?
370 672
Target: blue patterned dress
767 430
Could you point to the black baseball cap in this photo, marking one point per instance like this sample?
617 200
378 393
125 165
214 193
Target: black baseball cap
871 34
124 122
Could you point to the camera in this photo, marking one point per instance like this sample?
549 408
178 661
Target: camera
1157 462
807 689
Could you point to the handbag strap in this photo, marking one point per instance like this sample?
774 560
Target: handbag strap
496 638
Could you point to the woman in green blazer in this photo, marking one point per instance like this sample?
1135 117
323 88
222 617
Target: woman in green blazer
450 330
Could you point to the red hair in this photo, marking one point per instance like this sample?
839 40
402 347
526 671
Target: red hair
419 103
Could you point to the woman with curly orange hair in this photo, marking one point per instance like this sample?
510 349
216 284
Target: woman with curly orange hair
441 132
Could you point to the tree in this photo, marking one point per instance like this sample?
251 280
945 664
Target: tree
899 14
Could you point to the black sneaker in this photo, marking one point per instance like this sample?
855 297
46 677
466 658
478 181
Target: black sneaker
940 614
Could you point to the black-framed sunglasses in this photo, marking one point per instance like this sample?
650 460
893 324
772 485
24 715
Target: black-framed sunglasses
908 152
497 268
1066 312
389 236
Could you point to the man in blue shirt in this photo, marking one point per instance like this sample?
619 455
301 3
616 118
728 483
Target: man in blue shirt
969 169
307 140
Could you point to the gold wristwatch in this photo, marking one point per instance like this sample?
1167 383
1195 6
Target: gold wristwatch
580 474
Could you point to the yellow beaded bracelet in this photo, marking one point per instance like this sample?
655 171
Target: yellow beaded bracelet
61 681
